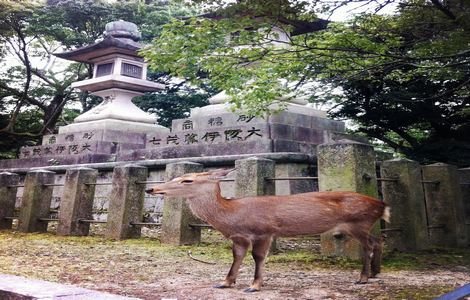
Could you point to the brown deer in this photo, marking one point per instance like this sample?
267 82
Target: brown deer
256 221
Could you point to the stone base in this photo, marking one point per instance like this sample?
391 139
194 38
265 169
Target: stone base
112 124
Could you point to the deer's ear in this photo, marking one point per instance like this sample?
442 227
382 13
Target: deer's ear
220 172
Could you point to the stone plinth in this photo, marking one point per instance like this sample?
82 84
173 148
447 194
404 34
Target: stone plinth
8 198
176 212
126 202
36 201
77 201
345 166
445 206
408 225
230 134
464 175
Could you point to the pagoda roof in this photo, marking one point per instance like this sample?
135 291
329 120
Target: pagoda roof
109 45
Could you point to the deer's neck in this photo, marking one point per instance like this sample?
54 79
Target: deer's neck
210 206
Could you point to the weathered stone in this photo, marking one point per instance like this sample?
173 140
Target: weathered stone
464 175
126 202
282 132
444 205
8 197
292 119
345 166
77 201
36 201
20 288
406 200
176 212
211 121
250 180
291 187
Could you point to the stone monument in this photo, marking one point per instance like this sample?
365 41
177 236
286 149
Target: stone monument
117 130
116 125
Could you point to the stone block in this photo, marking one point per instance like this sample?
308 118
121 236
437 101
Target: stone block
77 201
406 200
346 166
209 122
8 198
291 187
464 175
444 205
250 178
36 201
20 288
211 136
281 132
176 212
289 118
285 146
126 202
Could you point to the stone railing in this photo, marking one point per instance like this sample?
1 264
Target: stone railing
426 201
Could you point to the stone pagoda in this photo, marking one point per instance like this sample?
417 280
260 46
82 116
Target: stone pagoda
116 125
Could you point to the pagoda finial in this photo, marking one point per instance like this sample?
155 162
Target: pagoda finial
122 29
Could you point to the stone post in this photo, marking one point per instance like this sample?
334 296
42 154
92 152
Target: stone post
291 187
406 200
8 197
250 180
77 201
126 202
36 202
176 213
446 219
464 175
346 166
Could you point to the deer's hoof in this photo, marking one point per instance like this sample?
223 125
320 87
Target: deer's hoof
361 282
250 290
221 286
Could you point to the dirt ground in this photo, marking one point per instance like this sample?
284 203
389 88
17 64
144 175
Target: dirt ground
147 269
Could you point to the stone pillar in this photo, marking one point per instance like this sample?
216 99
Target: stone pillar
126 202
77 201
36 202
176 213
291 187
464 175
8 197
346 166
250 180
444 205
406 200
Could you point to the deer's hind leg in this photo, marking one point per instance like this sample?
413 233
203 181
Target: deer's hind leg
377 255
239 249
367 253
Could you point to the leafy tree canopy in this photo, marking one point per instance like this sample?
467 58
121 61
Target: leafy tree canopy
403 78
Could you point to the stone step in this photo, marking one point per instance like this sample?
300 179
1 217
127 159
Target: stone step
21 288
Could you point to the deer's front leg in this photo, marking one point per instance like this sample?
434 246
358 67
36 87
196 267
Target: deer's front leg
260 251
239 249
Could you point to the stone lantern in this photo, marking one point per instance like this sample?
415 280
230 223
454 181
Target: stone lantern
119 74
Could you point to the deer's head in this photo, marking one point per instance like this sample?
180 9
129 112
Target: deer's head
189 184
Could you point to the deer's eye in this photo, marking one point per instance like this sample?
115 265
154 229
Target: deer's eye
187 181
